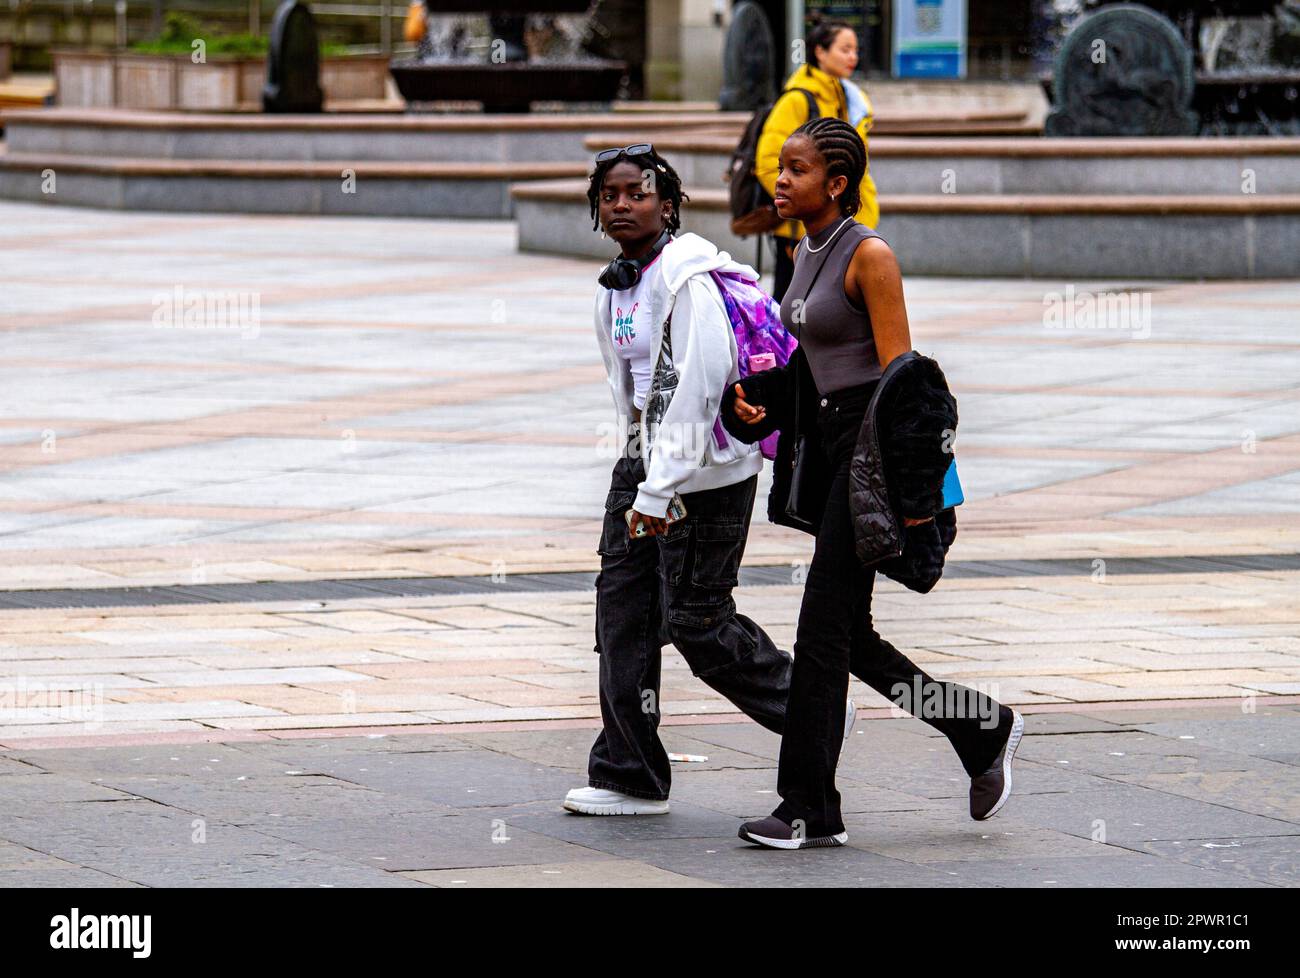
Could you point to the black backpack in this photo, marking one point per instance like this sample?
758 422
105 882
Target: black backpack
752 210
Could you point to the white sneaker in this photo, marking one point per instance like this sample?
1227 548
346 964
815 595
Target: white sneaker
602 801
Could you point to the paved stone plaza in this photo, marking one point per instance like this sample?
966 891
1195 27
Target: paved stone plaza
1151 798
346 545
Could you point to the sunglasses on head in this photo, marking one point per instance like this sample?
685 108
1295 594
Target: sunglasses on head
636 149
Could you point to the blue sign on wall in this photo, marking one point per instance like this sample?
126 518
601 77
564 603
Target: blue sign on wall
929 38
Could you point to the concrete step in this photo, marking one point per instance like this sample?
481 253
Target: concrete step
1051 235
530 138
26 91
920 165
929 106
374 188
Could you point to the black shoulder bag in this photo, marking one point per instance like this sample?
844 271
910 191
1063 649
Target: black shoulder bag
801 505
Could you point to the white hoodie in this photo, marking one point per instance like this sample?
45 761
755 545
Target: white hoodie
681 453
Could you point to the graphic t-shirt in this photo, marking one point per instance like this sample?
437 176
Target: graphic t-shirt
631 326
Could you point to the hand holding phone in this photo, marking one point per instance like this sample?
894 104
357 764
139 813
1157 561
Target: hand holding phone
676 511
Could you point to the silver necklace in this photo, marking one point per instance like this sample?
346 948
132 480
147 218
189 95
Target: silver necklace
830 239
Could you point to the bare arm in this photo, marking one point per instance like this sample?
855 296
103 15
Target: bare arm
874 275
873 280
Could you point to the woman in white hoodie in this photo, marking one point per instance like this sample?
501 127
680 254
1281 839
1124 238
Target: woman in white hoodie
662 579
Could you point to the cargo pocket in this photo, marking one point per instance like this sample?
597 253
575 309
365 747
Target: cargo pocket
675 553
704 613
614 537
719 547
707 635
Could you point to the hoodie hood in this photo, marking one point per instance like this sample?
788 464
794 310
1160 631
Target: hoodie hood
850 101
689 254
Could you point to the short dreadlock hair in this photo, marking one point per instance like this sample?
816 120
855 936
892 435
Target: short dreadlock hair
842 150
666 183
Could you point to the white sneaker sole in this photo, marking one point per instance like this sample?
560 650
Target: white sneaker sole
635 806
1017 730
821 843
850 715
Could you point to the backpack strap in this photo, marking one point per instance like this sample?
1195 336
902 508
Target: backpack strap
813 111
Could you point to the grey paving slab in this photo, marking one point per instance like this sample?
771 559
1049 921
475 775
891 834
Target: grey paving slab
155 845
1267 860
1266 789
1130 813
261 800
218 762
15 857
1292 759
732 862
932 836
297 751
1141 716
596 874
565 749
685 820
1064 724
1087 871
459 779
1124 754
1262 734
483 809
428 841
12 765
28 792
77 877
61 828
935 772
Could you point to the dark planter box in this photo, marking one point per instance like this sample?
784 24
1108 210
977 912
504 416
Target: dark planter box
511 86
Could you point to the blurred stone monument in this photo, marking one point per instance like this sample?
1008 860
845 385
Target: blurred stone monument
748 61
1123 71
293 62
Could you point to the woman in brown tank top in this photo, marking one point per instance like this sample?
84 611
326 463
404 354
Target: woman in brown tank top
853 323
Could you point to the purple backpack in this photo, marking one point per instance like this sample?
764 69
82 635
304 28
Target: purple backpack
762 341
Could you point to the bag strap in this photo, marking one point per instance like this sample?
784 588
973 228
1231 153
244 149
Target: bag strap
814 112
830 248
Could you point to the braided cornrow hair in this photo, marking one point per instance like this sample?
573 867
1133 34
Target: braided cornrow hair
842 150
667 184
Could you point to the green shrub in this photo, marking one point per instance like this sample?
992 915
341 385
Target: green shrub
179 32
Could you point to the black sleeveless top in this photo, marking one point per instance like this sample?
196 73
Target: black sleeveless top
835 334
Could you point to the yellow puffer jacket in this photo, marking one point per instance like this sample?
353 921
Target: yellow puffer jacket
788 114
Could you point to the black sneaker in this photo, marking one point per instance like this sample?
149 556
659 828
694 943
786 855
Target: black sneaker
990 790
776 834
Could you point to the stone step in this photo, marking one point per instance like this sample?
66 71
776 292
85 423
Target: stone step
388 136
377 188
1053 235
921 165
536 137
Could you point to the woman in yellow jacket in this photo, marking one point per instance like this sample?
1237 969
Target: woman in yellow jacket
832 50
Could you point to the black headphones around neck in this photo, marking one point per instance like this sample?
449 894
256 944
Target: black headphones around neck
623 273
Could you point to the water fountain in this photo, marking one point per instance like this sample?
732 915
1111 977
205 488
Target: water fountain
526 54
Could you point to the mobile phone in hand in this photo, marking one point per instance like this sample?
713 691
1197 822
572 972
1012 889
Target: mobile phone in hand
676 511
